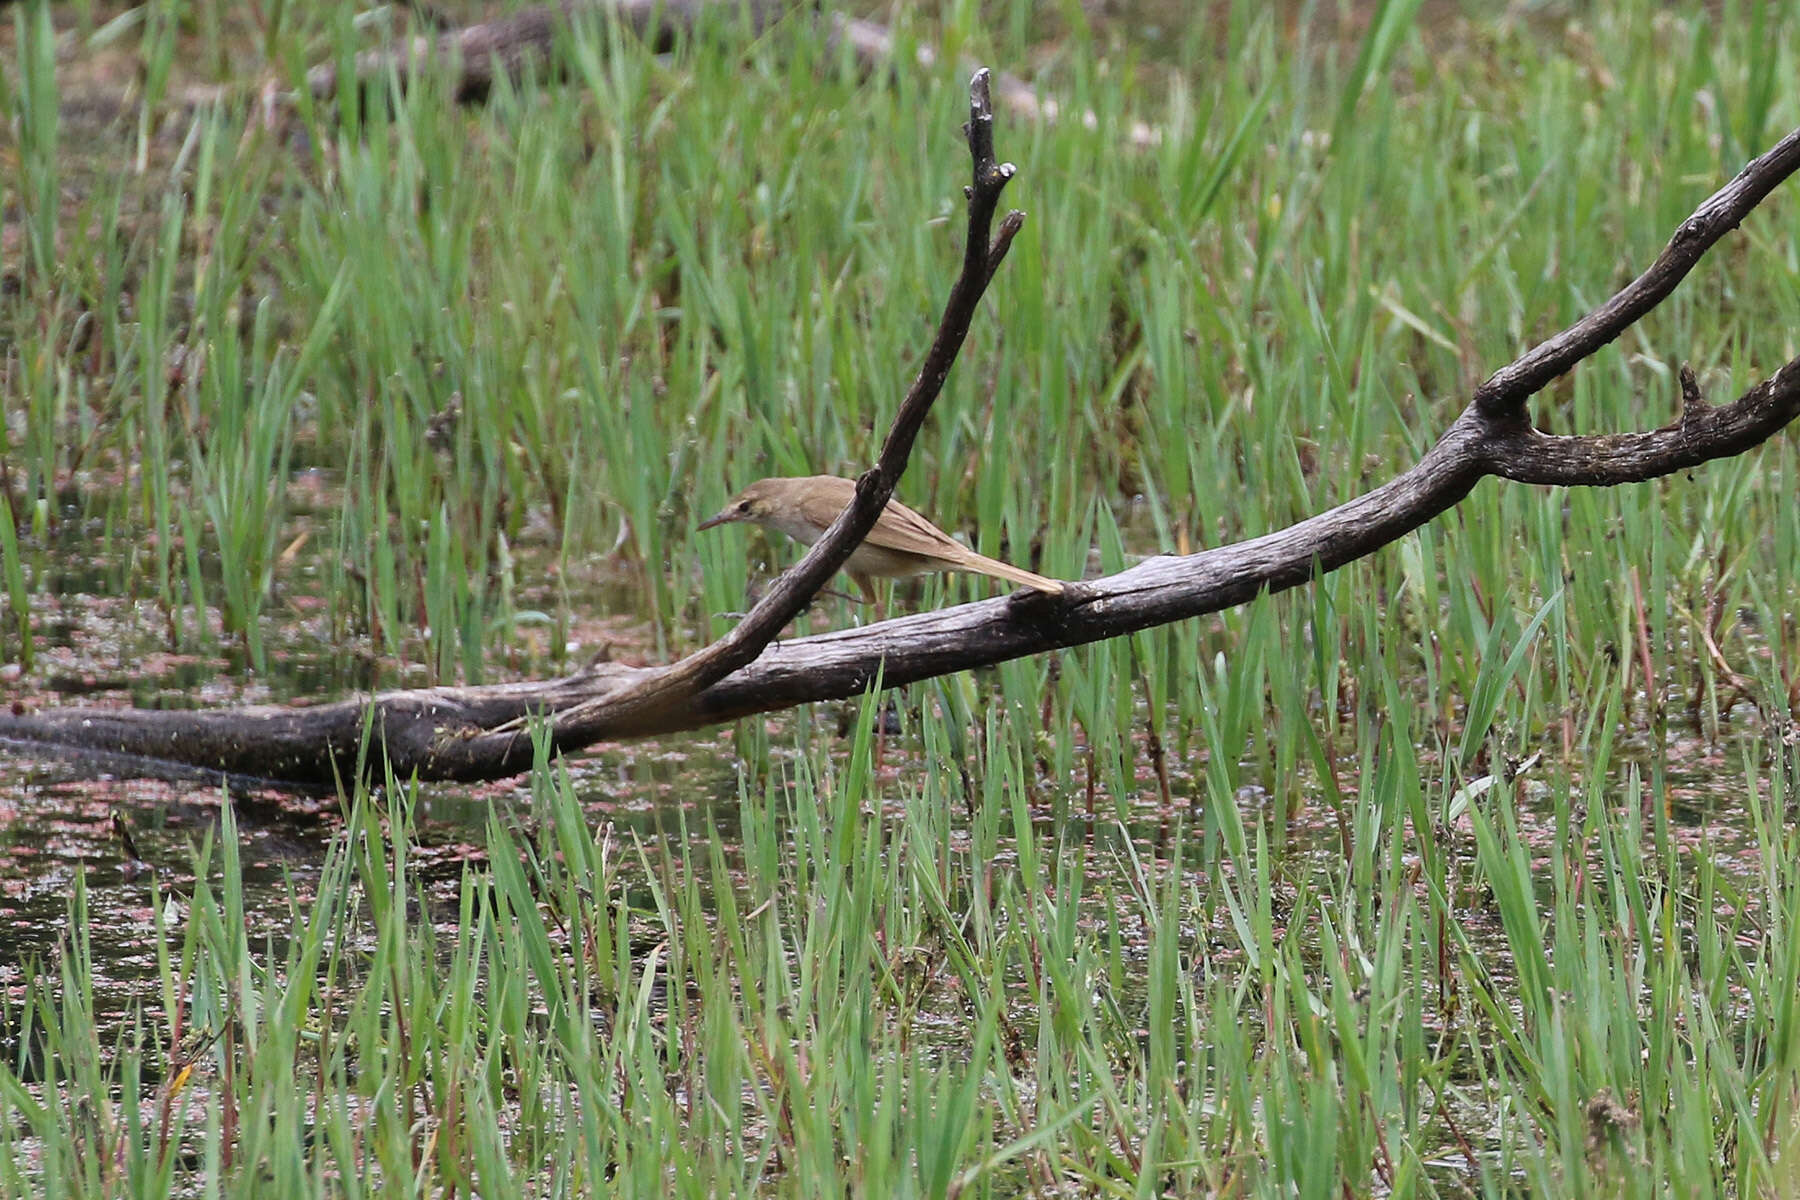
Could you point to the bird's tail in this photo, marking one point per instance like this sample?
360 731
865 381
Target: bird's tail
981 564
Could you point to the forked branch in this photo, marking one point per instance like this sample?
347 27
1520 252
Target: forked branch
1506 391
678 684
475 733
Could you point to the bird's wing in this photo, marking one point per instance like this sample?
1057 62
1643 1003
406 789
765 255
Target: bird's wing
900 528
825 499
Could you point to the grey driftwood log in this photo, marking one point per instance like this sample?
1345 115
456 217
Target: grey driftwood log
472 733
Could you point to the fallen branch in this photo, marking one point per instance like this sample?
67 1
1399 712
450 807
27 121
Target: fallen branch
473 733
796 589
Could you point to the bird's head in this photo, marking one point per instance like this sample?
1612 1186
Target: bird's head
757 504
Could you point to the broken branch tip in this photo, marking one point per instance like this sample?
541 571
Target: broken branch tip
980 101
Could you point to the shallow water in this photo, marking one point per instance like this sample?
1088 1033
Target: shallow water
61 844
64 825
61 822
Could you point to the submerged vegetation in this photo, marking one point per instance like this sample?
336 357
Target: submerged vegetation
1468 870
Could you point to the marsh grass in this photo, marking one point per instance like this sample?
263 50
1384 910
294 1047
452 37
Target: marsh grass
865 993
1248 905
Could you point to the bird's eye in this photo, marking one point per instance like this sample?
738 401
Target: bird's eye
744 507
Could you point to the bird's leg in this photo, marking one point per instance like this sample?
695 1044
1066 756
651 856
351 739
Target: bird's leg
880 739
866 585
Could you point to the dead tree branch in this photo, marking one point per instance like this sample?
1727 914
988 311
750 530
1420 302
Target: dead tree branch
796 589
473 733
1506 391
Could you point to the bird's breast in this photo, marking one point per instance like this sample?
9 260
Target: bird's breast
795 526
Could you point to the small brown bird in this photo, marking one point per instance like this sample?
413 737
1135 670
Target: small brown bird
902 543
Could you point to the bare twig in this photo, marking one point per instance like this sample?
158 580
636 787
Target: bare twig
460 733
1700 434
1507 389
797 587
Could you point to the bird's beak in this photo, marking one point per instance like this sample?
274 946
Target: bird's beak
715 519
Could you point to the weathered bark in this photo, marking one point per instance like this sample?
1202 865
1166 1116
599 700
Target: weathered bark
672 688
482 732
